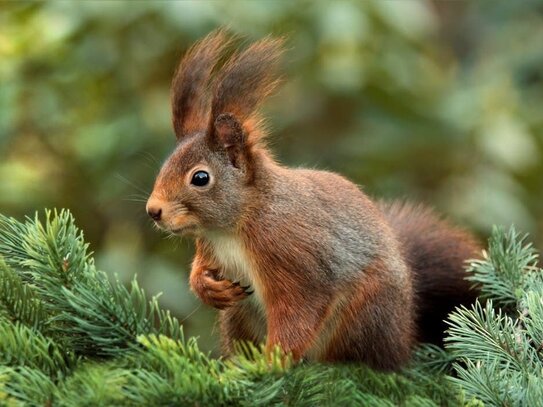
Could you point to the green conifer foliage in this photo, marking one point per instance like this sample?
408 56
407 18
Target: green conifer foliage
498 345
69 336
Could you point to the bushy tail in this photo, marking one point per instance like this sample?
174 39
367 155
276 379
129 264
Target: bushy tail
436 253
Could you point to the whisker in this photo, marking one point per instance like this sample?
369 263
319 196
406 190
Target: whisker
132 184
142 200
138 196
151 159
187 243
191 313
179 208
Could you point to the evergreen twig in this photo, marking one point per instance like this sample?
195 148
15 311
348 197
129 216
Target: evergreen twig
70 336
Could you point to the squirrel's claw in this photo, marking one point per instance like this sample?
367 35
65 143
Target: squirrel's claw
219 293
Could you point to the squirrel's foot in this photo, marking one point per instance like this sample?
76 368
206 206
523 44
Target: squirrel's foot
219 293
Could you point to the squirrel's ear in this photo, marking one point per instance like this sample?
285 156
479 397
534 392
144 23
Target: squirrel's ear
228 132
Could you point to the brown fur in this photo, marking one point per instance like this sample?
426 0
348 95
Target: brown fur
189 93
335 277
358 322
435 251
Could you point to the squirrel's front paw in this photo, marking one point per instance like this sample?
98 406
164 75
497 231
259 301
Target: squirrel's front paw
218 293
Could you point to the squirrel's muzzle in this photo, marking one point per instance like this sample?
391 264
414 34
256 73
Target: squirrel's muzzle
154 208
154 213
170 216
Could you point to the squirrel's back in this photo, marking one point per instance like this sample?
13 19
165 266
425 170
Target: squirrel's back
436 253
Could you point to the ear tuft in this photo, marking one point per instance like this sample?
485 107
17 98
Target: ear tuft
189 93
229 133
245 81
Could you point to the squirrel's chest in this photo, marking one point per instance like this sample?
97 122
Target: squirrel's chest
234 261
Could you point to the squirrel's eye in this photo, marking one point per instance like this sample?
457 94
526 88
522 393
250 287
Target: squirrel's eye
200 178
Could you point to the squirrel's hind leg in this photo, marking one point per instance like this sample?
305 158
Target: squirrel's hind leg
376 326
241 322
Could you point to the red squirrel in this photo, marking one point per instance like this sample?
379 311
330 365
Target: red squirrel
295 257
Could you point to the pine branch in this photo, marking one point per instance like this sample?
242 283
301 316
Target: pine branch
19 302
23 346
96 316
486 334
498 354
532 317
69 336
24 385
505 270
487 381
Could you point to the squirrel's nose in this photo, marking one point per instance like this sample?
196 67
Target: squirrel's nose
154 213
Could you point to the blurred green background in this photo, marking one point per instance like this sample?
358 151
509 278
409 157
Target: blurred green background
438 102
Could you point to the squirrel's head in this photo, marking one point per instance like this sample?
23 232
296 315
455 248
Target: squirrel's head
206 182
